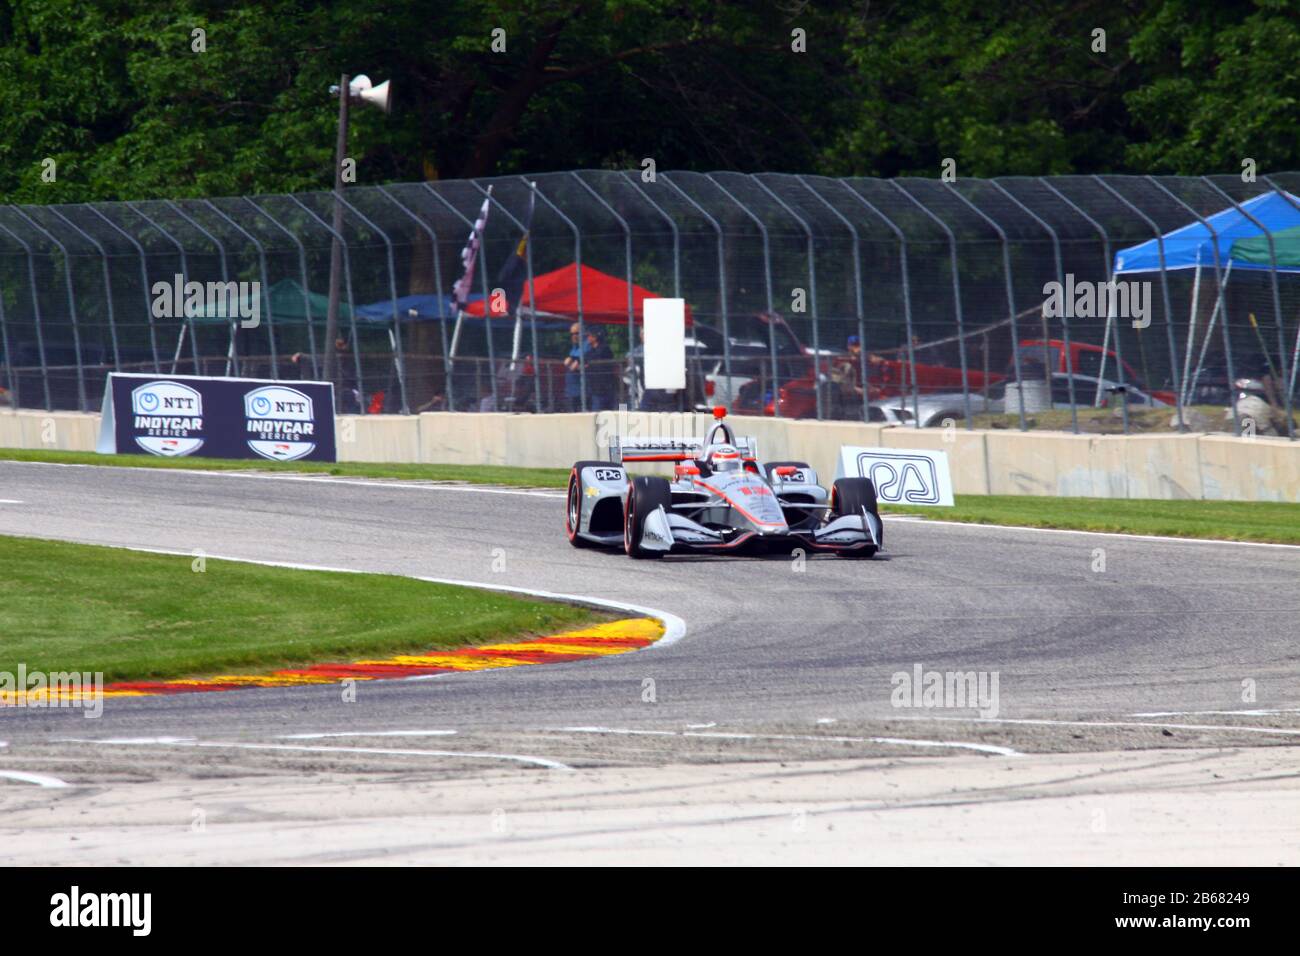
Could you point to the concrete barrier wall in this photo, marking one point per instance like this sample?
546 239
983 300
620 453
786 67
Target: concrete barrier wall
995 461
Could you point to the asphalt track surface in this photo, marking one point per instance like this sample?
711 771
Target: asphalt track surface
1166 627
1122 733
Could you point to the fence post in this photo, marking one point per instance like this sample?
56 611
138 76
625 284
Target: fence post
306 290
108 285
144 279
627 245
528 262
1011 303
437 279
1277 299
352 305
812 290
1295 351
1105 251
266 284
392 290
677 239
487 292
857 290
8 355
1065 321
722 275
185 276
1169 315
232 355
72 303
36 314
961 320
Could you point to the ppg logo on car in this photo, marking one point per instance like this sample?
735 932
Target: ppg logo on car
902 475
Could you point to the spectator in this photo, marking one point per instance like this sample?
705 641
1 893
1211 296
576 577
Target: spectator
846 381
573 369
602 377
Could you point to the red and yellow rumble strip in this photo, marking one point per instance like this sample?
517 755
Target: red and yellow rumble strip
614 637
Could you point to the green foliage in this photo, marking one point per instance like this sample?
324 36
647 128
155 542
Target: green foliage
115 93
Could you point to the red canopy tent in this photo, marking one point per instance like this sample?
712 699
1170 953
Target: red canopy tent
604 297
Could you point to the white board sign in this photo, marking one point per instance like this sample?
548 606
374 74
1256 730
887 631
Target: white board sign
902 476
665 343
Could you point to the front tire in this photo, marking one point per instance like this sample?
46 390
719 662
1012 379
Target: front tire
573 503
644 495
849 496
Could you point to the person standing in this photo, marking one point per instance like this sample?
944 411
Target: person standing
579 356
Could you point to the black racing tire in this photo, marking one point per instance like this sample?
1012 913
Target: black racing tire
848 497
573 502
644 495
769 469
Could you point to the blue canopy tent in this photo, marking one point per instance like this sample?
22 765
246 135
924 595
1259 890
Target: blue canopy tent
1224 241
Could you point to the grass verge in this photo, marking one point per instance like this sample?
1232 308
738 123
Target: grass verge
134 615
477 474
1275 522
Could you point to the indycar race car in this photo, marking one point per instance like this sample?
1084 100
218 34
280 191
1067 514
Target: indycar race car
720 499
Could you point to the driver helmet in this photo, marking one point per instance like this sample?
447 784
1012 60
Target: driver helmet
724 458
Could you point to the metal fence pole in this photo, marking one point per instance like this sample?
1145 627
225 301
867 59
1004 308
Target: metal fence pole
677 239
266 284
1105 251
186 320
722 278
528 262
487 293
8 355
961 320
767 283
437 279
627 251
232 355
306 290
72 304
1295 352
857 291
1277 298
392 289
144 279
1222 301
346 254
1060 277
812 290
1169 316
1011 304
36 314
907 305
582 325
108 285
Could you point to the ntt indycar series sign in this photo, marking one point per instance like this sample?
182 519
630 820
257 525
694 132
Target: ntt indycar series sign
177 415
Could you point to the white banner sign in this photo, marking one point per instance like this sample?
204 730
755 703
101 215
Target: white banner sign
665 343
902 476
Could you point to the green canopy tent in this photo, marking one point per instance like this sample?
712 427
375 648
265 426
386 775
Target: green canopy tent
286 303
1255 252
1286 244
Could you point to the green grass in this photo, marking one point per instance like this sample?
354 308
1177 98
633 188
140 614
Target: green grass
1231 520
477 474
133 615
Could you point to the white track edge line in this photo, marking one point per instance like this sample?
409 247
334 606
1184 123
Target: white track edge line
40 779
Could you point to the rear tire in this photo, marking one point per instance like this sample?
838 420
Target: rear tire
644 495
573 503
848 497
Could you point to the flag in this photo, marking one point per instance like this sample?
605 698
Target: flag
469 255
514 273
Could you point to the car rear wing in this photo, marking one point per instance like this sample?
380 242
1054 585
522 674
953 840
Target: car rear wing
670 449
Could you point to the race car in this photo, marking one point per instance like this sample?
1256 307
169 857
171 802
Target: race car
720 499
